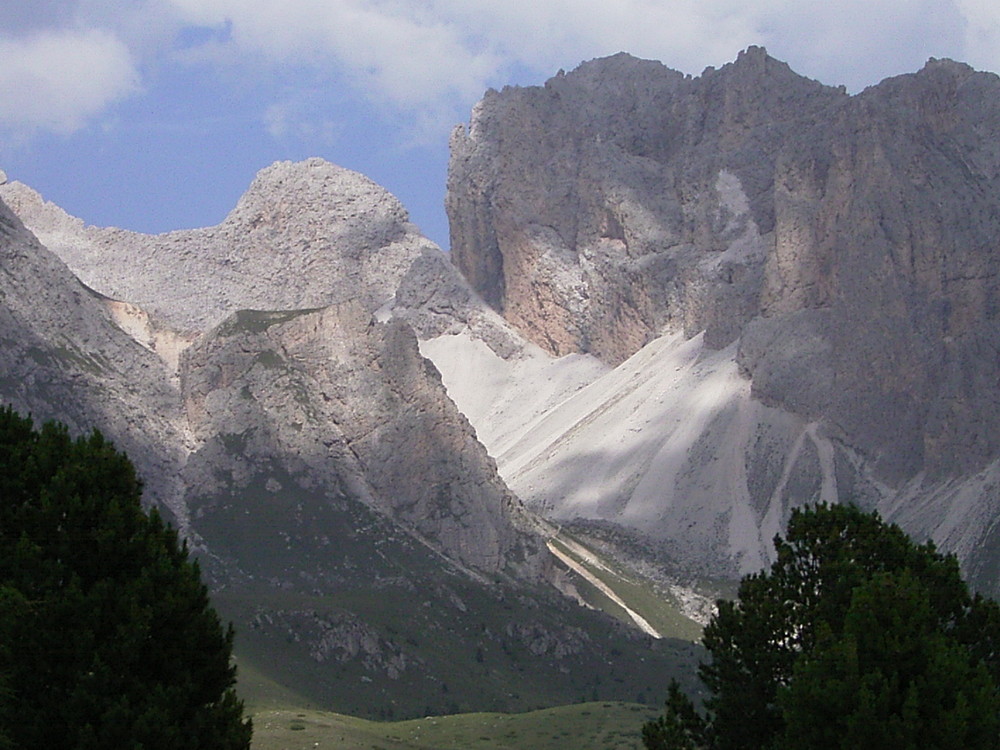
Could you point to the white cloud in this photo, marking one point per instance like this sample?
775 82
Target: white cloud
684 33
294 120
860 42
433 58
398 51
20 17
59 79
431 55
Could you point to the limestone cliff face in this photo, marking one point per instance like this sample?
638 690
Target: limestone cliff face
849 244
64 359
886 242
605 205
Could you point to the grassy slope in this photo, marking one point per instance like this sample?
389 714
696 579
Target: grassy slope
349 614
284 720
600 726
453 667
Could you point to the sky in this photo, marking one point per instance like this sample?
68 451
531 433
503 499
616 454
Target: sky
155 115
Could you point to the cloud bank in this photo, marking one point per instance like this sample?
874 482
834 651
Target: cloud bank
416 51
431 58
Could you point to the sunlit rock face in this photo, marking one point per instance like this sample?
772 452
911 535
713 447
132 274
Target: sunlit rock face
340 401
840 251
304 235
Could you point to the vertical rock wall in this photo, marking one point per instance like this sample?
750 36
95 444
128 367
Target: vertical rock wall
848 243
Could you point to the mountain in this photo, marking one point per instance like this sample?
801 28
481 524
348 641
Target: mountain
793 290
266 379
273 251
675 308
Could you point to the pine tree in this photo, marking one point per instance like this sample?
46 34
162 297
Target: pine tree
680 727
855 638
109 639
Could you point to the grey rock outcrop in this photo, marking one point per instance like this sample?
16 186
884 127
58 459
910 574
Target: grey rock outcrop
606 205
844 247
341 402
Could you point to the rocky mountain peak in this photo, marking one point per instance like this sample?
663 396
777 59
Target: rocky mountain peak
937 66
621 68
754 61
632 147
305 235
288 197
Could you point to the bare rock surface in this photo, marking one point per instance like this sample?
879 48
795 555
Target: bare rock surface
331 393
835 256
607 204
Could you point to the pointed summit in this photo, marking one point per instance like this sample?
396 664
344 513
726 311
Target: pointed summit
755 67
753 54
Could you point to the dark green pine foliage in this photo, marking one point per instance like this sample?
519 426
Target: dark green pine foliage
10 601
680 727
107 637
892 678
855 638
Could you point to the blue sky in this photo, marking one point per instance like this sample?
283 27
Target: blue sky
155 114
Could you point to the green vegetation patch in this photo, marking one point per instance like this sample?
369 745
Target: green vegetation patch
258 321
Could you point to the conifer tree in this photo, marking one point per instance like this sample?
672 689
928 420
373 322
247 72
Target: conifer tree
107 637
855 638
